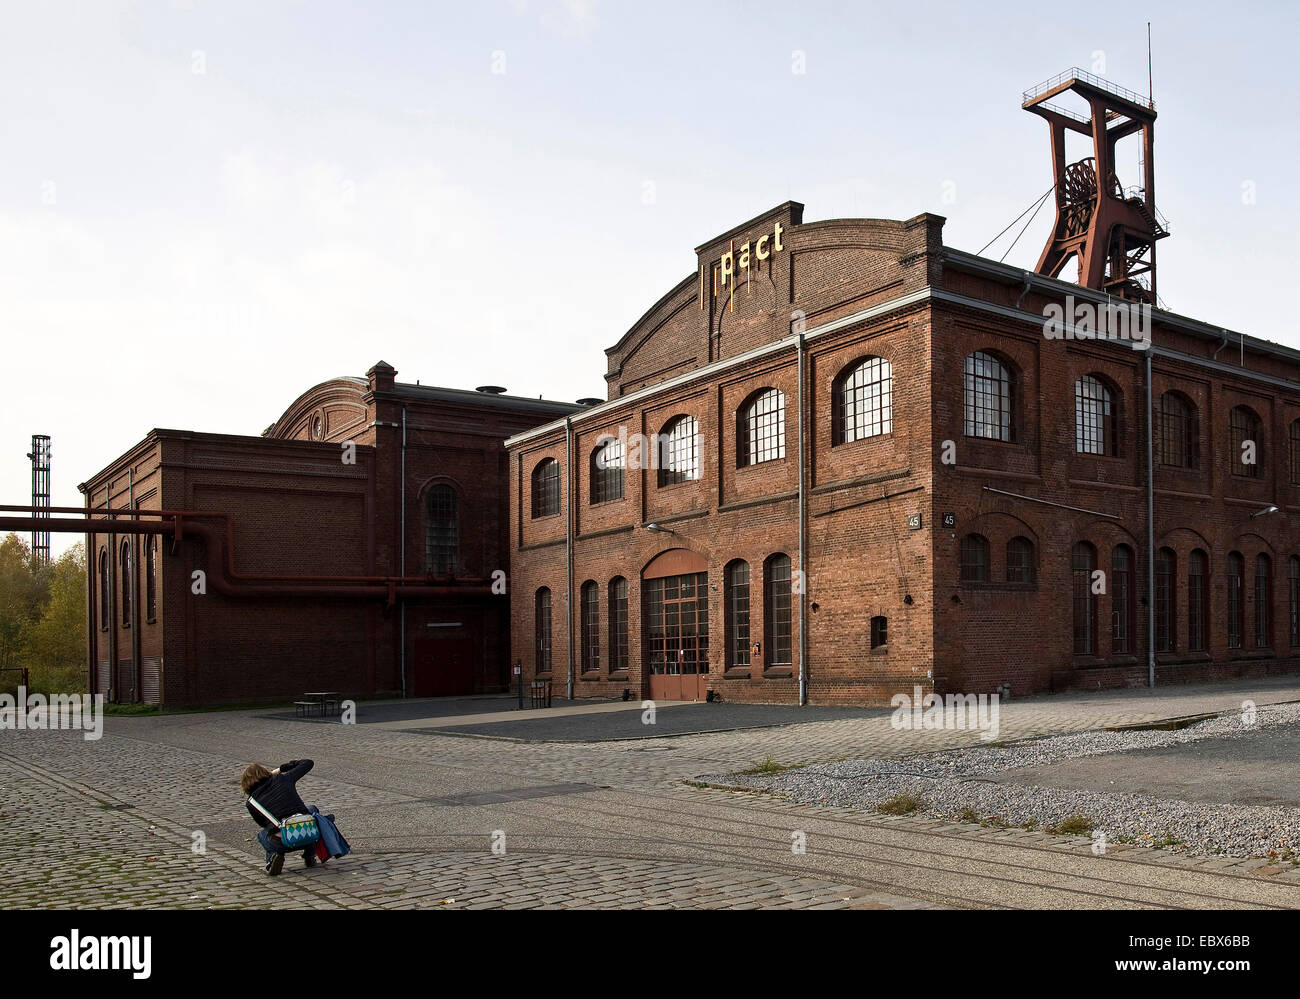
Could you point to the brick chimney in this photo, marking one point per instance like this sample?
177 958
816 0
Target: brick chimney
383 376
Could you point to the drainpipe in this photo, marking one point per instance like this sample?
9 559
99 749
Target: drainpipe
1151 538
92 632
401 565
135 590
111 552
803 547
568 539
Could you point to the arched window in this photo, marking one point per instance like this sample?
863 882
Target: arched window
617 624
737 604
151 577
441 531
1121 600
1177 436
542 630
104 611
1263 602
974 559
1293 451
679 459
546 488
124 586
1166 573
990 398
1020 561
760 433
777 602
1094 417
607 470
1293 586
864 401
1246 443
590 618
1198 600
1083 563
1236 598
879 632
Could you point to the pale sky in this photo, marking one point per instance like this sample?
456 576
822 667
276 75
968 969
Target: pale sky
206 208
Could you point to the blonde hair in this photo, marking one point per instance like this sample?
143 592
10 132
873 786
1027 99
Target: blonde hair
253 773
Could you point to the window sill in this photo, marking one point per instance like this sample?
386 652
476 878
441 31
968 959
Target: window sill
736 674
778 673
618 674
589 676
880 650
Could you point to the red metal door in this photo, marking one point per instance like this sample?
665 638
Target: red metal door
677 616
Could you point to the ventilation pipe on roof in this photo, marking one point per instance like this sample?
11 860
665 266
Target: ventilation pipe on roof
491 389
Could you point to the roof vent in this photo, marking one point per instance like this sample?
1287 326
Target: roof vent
590 402
491 389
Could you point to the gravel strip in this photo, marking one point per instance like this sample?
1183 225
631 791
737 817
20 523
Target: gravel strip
948 786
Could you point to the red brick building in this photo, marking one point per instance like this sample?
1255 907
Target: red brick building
875 470
352 548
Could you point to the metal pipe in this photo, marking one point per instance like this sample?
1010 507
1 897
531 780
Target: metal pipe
803 548
568 539
111 559
1151 538
1059 506
135 591
92 633
401 567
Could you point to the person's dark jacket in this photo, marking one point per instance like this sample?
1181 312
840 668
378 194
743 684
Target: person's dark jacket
277 793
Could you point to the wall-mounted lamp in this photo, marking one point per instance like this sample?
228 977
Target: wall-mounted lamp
1267 510
662 530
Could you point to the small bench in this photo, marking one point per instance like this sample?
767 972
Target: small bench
306 708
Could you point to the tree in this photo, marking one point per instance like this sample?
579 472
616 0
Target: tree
55 645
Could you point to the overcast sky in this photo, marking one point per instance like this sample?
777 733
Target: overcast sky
208 207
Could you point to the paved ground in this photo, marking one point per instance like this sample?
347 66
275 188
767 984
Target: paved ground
601 824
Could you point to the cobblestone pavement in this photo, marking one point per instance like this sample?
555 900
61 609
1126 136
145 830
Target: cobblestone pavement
118 822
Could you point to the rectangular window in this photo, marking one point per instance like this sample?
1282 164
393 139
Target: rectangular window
778 602
1196 596
738 615
618 625
1121 572
1164 601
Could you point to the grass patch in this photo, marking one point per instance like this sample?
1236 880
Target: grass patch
1166 841
900 804
1073 825
969 815
769 767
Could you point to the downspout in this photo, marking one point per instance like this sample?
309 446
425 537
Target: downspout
401 565
803 547
568 541
92 632
135 590
1151 539
111 559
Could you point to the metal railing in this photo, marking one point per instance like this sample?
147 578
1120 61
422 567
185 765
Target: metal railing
1075 73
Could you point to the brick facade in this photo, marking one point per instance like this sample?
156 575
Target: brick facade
844 290
302 513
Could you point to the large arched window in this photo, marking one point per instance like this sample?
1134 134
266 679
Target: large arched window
737 604
607 470
1122 566
974 559
864 401
1236 598
151 577
1166 572
542 630
617 624
441 531
1177 436
760 430
1094 417
590 618
1263 602
104 605
124 586
546 488
777 602
1020 561
990 398
1246 443
1198 600
1083 563
679 451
